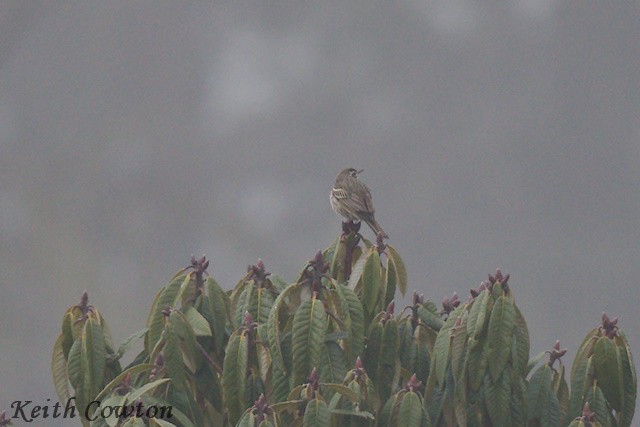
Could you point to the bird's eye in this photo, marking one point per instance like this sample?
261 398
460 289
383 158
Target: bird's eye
354 173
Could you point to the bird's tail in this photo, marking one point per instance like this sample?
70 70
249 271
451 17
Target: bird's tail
376 227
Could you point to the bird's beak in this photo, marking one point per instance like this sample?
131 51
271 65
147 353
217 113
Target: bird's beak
360 171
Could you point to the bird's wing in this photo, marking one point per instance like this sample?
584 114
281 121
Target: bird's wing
366 200
339 193
359 200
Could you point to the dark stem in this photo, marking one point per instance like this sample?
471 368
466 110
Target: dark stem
352 241
210 359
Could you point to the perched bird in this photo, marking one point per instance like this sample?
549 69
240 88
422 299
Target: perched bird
351 199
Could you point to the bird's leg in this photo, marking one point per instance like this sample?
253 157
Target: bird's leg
380 241
349 227
351 243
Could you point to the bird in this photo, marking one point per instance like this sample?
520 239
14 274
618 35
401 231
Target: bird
351 199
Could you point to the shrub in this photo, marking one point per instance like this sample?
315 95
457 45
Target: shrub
329 349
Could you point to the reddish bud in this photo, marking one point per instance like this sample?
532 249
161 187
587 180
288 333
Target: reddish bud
413 384
587 414
314 379
555 354
391 307
248 319
4 421
125 386
417 299
84 298
449 304
261 409
609 326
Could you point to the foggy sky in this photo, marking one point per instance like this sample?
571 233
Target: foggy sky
492 134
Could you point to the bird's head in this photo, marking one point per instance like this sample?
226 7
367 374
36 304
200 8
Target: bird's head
351 172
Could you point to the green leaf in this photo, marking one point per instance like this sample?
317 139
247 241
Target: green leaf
518 401
501 325
179 418
278 282
316 414
520 357
422 362
387 414
372 351
71 330
134 370
434 404
197 321
388 360
338 252
629 378
608 371
400 269
478 315
281 383
476 363
134 422
234 374
371 282
106 332
442 346
155 322
457 349
59 370
182 291
247 420
332 364
343 390
497 398
441 358
245 301
561 390
410 414
215 308
173 359
406 349
180 326
263 302
554 414
309 328
460 402
585 350
356 329
581 372
361 414
264 360
428 313
289 405
357 270
93 359
234 295
538 392
115 401
533 362
273 328
426 421
388 285
598 404
147 388
208 386
130 341
160 422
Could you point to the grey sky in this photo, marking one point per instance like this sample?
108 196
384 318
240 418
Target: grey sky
492 134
